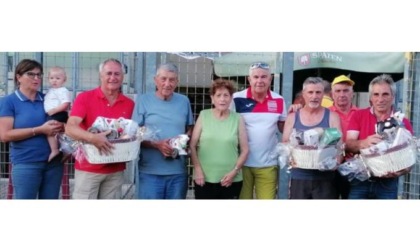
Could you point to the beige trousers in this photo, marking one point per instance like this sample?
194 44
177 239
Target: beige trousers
88 185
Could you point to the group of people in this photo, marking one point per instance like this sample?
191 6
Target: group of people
358 132
231 144
30 121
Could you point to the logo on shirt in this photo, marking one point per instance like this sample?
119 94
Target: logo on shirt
272 106
249 105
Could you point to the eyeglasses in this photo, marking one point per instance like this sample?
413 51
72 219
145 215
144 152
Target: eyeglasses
259 65
32 75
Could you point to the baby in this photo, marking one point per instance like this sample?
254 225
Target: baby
56 103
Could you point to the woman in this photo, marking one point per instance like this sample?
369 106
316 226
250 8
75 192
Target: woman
214 147
24 124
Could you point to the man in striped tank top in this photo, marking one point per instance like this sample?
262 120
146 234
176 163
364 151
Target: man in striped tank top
311 183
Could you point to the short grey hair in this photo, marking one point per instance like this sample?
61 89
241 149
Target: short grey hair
101 66
170 67
312 80
327 86
384 78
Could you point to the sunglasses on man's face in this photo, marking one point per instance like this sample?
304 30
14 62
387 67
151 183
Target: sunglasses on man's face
260 65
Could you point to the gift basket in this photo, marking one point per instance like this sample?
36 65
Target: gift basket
308 157
315 149
124 150
396 152
392 160
125 135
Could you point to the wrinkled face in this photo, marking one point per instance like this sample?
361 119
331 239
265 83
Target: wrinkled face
342 94
111 76
260 80
381 97
312 94
30 80
56 79
166 83
221 99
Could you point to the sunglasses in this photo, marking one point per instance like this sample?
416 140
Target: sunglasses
32 75
259 65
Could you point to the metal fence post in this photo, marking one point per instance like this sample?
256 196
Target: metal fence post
287 93
5 68
150 70
138 73
413 189
75 73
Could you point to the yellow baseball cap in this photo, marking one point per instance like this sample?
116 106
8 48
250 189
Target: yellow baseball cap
342 78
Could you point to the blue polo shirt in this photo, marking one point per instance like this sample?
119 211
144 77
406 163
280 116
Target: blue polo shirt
26 114
166 119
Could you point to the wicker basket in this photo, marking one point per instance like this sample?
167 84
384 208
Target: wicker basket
125 150
394 159
309 157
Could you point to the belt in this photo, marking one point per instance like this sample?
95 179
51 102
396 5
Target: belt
376 179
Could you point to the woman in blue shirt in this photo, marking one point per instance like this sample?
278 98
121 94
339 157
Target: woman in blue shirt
24 124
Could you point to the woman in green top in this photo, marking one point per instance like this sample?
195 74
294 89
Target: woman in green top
219 147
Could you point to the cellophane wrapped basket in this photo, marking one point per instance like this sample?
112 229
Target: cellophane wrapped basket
309 157
124 150
393 159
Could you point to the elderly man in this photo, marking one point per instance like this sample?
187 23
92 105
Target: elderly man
160 175
264 112
342 94
361 134
311 183
99 181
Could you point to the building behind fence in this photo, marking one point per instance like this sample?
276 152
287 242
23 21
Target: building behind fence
196 74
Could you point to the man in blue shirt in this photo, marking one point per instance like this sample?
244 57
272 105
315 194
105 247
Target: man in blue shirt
168 114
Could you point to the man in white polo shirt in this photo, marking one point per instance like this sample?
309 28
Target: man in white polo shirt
264 112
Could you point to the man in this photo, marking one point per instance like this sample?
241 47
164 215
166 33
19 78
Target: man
99 181
327 100
361 134
298 101
264 112
342 94
168 114
310 183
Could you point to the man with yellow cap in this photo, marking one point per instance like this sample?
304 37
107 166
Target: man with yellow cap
342 95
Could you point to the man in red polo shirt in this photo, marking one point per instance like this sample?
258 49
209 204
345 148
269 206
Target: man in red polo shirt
99 181
361 134
342 94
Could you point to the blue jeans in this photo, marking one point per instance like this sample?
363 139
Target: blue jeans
376 188
161 186
40 180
